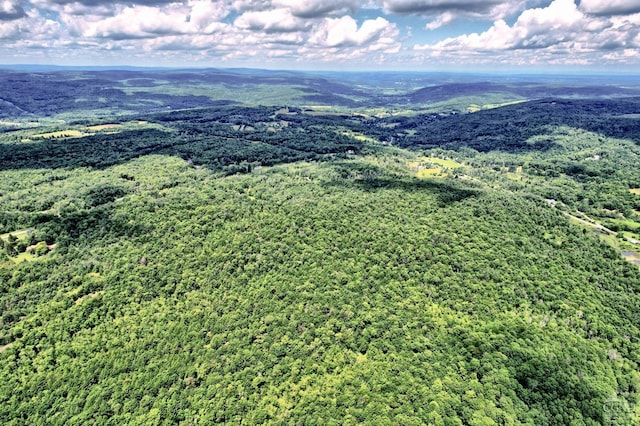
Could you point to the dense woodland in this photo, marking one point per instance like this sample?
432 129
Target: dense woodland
273 264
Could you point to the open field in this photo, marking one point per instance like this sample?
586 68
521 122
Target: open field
62 134
21 234
632 256
426 167
476 108
101 127
445 162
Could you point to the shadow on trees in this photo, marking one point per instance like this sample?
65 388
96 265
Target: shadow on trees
510 128
208 138
371 178
91 151
86 227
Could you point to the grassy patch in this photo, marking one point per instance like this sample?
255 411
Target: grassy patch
632 256
24 257
476 107
61 134
624 224
21 235
85 131
360 137
445 162
427 167
427 173
88 296
104 127
474 103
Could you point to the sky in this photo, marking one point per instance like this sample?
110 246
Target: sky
426 35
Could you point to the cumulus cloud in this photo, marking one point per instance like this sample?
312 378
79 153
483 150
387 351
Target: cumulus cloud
492 9
210 10
11 10
207 12
546 31
99 3
9 30
317 8
442 20
139 22
344 31
342 40
277 20
248 5
610 7
444 12
29 31
559 23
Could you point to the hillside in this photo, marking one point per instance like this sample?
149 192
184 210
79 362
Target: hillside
286 264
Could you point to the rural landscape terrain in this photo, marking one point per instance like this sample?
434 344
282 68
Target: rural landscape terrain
239 246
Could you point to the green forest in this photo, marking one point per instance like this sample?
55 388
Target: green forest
280 264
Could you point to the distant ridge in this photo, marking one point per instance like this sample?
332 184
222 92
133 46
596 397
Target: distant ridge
48 68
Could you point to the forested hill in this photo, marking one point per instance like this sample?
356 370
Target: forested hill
307 292
512 127
36 93
283 264
445 92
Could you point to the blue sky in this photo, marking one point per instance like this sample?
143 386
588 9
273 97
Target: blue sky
469 35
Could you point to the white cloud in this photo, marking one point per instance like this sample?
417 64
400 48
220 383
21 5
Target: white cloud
444 12
9 30
206 12
317 8
139 22
610 7
495 9
29 31
99 3
277 20
344 31
246 5
544 31
11 10
442 20
561 33
558 24
136 22
340 40
626 56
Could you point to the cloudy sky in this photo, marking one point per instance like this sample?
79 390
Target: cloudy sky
526 35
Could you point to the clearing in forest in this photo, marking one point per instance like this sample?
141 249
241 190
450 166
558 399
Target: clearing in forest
100 127
61 134
21 235
427 167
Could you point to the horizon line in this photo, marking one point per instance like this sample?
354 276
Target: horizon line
124 67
